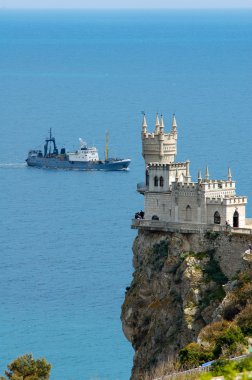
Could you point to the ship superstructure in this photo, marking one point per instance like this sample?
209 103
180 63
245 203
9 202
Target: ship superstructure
85 158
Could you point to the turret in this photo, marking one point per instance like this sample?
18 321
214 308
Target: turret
199 176
159 147
229 177
161 128
157 130
174 124
187 176
207 174
144 125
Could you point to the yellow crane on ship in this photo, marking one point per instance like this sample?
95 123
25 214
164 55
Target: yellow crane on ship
106 146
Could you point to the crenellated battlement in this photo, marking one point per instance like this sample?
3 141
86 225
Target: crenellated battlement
182 186
177 165
227 201
159 146
218 184
153 136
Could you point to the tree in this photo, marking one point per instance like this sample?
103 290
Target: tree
27 368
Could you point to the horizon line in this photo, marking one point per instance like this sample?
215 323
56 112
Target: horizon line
127 8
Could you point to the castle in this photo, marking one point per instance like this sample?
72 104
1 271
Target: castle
172 201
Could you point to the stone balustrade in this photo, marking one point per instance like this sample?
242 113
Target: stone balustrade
159 225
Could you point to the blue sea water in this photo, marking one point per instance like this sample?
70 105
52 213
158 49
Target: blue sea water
65 237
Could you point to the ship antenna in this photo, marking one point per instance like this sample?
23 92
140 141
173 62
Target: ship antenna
106 146
50 140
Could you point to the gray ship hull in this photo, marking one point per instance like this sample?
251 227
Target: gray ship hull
58 163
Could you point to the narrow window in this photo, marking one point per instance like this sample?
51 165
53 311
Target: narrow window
236 219
147 177
217 218
188 213
161 181
155 181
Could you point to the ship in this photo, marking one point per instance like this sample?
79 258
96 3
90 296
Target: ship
85 158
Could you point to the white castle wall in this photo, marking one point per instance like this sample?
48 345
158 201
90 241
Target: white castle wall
173 197
158 204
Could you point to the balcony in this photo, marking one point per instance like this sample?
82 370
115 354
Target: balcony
141 187
159 225
189 228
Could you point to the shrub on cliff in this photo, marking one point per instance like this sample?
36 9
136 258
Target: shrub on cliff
194 355
244 320
224 368
230 342
223 338
27 368
238 301
210 333
229 369
212 235
159 255
213 271
219 339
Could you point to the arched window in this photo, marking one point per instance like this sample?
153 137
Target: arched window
188 213
236 219
147 176
217 218
161 181
155 181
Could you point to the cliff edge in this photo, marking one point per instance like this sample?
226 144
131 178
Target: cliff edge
180 284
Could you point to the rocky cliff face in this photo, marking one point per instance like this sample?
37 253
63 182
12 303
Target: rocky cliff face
177 289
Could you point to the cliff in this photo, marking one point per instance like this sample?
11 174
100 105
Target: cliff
180 284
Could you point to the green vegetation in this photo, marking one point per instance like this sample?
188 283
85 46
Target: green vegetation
229 369
219 339
231 341
27 368
213 270
244 320
193 355
212 235
239 306
159 255
228 337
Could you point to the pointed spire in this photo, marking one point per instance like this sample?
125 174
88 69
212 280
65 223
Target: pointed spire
229 175
199 176
207 174
157 123
174 123
187 177
161 124
144 124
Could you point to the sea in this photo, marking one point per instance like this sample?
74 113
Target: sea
65 236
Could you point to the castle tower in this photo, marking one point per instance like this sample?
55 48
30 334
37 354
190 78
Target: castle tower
159 147
175 200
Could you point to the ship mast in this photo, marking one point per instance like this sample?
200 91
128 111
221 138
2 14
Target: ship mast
106 146
50 136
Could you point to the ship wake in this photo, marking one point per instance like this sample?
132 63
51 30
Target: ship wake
12 165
